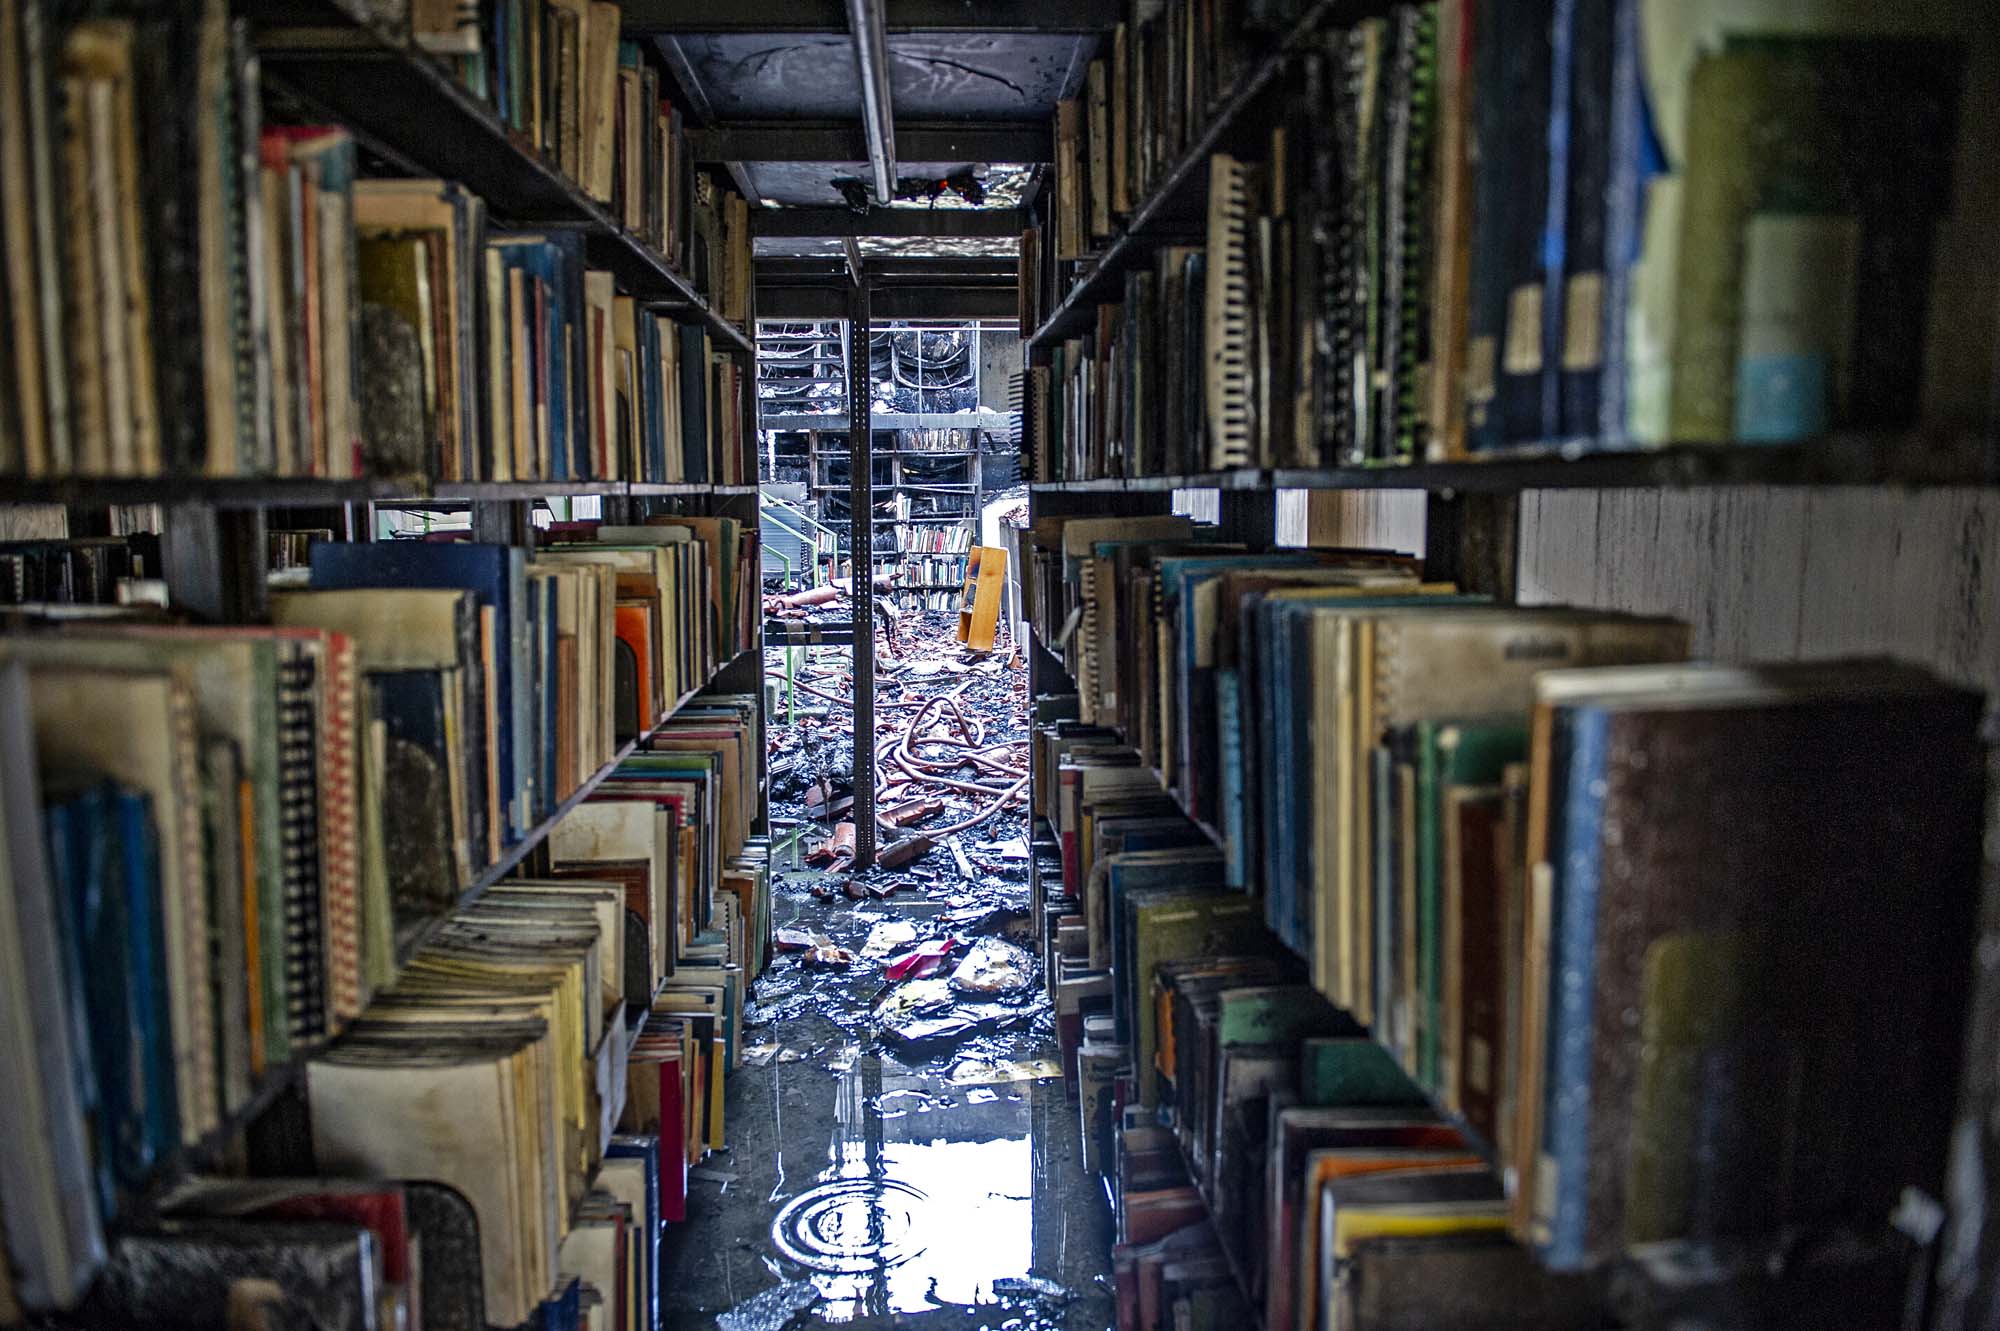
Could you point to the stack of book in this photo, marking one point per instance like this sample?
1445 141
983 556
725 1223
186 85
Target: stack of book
1476 228
939 539
197 294
1568 946
930 571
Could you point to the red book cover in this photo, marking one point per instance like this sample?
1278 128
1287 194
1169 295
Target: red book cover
379 1212
673 1141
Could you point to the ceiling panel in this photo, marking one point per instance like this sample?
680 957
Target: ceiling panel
957 76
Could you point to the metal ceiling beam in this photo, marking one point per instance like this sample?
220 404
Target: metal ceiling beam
891 302
871 60
892 223
830 16
1028 141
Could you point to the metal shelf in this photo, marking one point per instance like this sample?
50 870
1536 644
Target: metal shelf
1853 459
279 492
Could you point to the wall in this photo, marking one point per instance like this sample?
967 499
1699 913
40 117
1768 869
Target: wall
1782 573
1376 519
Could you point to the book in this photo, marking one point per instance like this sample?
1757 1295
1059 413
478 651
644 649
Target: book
1718 980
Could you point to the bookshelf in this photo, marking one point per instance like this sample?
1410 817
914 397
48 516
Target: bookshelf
1857 540
800 363
406 113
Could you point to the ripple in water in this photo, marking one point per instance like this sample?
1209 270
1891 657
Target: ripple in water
850 1226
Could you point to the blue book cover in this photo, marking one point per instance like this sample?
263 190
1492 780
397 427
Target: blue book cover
1273 624
1636 157
1179 578
496 575
105 862
1567 149
1578 750
88 918
411 704
1229 776
1577 356
564 1309
500 76
137 876
1513 61
572 454
557 259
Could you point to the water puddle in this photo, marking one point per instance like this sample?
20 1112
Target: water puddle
913 1211
927 1181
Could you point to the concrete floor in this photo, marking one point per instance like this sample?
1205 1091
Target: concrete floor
870 1187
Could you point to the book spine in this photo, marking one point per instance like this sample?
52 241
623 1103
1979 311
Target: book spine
1563 1185
1578 357
1568 141
1634 157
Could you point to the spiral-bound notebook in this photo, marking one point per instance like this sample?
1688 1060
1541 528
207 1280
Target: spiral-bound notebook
1227 367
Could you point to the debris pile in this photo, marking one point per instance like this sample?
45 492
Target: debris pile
951 755
918 954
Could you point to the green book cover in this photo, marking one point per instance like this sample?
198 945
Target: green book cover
1276 1014
1449 753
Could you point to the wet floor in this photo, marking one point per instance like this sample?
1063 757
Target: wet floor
870 1183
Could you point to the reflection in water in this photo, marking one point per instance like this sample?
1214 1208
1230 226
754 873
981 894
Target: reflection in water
903 1218
935 1190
